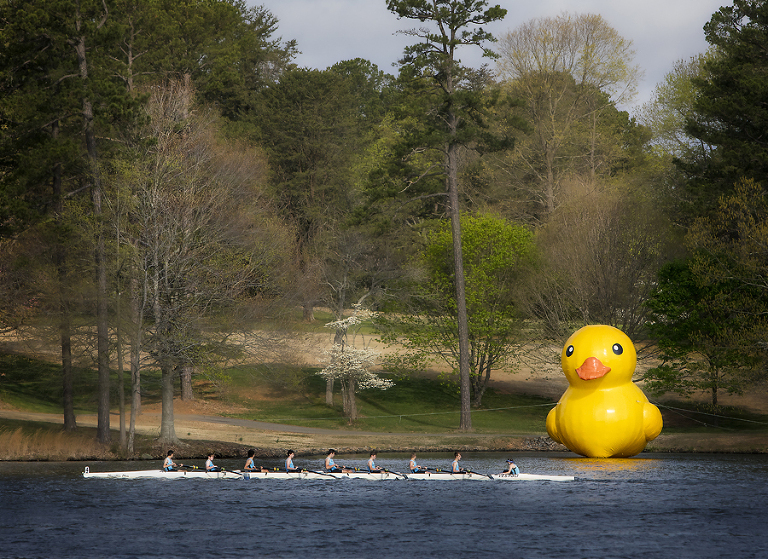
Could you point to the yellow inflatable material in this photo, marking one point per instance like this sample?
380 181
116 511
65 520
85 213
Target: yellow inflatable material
602 414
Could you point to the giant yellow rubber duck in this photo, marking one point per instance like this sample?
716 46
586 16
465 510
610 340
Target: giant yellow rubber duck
602 413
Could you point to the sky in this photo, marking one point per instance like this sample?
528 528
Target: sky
329 31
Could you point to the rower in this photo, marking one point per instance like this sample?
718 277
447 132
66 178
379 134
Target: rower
168 464
250 466
372 469
210 466
414 467
331 466
455 469
289 467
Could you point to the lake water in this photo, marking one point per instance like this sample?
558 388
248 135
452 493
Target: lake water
655 505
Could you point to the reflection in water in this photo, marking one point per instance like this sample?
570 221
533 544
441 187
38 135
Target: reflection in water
587 466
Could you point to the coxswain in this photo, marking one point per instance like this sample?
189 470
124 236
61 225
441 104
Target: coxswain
512 468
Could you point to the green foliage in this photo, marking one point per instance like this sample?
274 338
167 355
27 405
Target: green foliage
731 108
495 252
703 344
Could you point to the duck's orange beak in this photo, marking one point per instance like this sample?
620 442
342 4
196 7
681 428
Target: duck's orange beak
591 369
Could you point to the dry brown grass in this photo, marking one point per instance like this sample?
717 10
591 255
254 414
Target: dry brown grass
44 444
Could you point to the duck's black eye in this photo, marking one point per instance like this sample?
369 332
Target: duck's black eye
569 351
617 349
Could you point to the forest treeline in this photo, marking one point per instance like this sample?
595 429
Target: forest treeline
173 186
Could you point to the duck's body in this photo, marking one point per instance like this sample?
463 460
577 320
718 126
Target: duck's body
602 413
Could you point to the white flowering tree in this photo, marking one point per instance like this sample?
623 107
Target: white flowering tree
351 365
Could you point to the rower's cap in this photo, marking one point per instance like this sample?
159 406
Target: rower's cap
510 461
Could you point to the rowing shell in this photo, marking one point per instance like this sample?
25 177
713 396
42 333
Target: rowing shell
379 476
430 476
473 476
238 474
161 474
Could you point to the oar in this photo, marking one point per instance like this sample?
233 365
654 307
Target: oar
396 473
188 467
322 473
233 472
479 474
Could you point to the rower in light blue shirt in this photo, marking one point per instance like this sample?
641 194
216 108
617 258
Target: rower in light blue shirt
289 467
168 464
331 466
455 469
210 466
250 466
372 464
414 467
512 468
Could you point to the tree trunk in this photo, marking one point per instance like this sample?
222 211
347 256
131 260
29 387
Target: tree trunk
309 311
338 339
65 320
102 333
481 384
462 319
350 403
137 320
120 385
65 327
185 375
167 429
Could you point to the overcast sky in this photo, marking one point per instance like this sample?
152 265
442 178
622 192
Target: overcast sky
329 31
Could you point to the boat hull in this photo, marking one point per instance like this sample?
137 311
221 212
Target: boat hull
471 476
160 474
323 475
277 475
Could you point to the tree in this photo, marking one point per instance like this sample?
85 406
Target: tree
203 245
495 254
307 126
733 244
58 58
671 106
598 257
703 344
569 71
351 365
731 108
455 119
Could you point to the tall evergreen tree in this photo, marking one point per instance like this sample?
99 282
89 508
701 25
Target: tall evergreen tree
731 108
455 118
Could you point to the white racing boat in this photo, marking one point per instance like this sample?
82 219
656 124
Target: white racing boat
162 474
475 476
309 474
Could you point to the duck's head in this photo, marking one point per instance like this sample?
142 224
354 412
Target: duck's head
598 354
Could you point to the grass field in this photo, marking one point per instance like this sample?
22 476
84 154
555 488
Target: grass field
296 396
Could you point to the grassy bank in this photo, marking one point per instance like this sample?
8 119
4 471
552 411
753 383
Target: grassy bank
417 413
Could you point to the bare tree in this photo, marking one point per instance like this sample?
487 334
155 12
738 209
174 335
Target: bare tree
202 239
567 69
